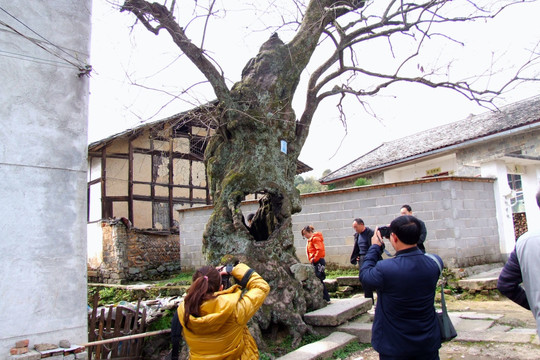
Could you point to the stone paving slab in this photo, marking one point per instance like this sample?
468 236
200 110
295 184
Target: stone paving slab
348 281
467 325
361 330
523 331
321 349
492 336
338 312
500 328
480 316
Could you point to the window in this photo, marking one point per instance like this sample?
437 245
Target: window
517 203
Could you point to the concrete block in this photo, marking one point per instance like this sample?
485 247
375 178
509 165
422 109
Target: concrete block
424 196
396 190
338 312
361 330
82 355
321 349
351 205
383 201
30 355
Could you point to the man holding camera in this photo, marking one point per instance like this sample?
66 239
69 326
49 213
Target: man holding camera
405 324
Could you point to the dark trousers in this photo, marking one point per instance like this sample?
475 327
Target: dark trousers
176 336
368 292
319 272
429 356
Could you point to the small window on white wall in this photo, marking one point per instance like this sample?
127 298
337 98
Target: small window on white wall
517 202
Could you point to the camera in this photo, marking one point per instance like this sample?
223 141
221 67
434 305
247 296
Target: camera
226 279
385 231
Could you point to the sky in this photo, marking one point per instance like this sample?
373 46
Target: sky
135 73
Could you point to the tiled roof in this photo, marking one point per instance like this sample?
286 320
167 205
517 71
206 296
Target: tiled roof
426 142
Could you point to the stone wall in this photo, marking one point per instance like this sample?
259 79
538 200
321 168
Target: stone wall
459 214
131 255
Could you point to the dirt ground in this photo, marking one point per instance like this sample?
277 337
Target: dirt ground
514 316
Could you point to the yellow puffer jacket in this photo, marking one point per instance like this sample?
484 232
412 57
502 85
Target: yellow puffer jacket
221 333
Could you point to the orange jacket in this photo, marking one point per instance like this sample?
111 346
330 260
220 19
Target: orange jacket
315 247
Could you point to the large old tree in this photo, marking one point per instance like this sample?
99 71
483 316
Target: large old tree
259 136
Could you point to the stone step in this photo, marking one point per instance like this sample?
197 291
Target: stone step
322 349
338 312
360 329
348 281
484 281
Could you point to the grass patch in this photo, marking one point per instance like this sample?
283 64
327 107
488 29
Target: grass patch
163 323
183 278
334 271
348 350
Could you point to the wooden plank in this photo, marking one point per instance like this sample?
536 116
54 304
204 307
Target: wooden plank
130 180
124 349
100 334
171 181
104 209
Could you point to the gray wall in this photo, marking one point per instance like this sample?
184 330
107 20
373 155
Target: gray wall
459 214
43 140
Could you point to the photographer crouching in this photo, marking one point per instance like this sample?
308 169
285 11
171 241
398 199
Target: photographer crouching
213 318
405 324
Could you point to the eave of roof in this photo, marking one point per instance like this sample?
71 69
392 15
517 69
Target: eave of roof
446 143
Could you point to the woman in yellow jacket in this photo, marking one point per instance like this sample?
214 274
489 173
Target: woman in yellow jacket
315 254
214 320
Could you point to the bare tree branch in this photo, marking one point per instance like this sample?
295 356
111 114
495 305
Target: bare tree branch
416 20
153 12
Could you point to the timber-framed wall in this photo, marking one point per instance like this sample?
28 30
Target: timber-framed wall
143 174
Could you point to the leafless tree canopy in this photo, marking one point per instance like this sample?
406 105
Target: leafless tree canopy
346 31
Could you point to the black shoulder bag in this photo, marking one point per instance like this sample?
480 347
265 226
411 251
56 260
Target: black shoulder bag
448 332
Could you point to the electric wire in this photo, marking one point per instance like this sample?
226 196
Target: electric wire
84 69
26 26
34 59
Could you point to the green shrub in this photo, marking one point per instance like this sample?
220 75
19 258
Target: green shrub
362 182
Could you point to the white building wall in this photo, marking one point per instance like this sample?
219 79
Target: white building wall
43 146
446 163
531 184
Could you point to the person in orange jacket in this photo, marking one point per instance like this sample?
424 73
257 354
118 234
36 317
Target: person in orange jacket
214 320
315 254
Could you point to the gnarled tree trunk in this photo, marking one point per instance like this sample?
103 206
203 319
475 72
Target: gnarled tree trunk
246 157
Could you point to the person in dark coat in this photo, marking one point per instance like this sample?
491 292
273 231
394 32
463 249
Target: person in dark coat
407 210
362 242
523 267
405 326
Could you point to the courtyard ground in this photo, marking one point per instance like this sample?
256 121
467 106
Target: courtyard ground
512 315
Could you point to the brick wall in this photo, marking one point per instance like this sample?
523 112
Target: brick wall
131 255
459 213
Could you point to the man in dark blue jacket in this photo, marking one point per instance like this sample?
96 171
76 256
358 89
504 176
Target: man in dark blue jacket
362 242
405 324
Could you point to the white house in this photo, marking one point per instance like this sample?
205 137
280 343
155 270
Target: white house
504 145
43 138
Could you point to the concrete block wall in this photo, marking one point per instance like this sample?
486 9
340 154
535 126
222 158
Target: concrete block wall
459 214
